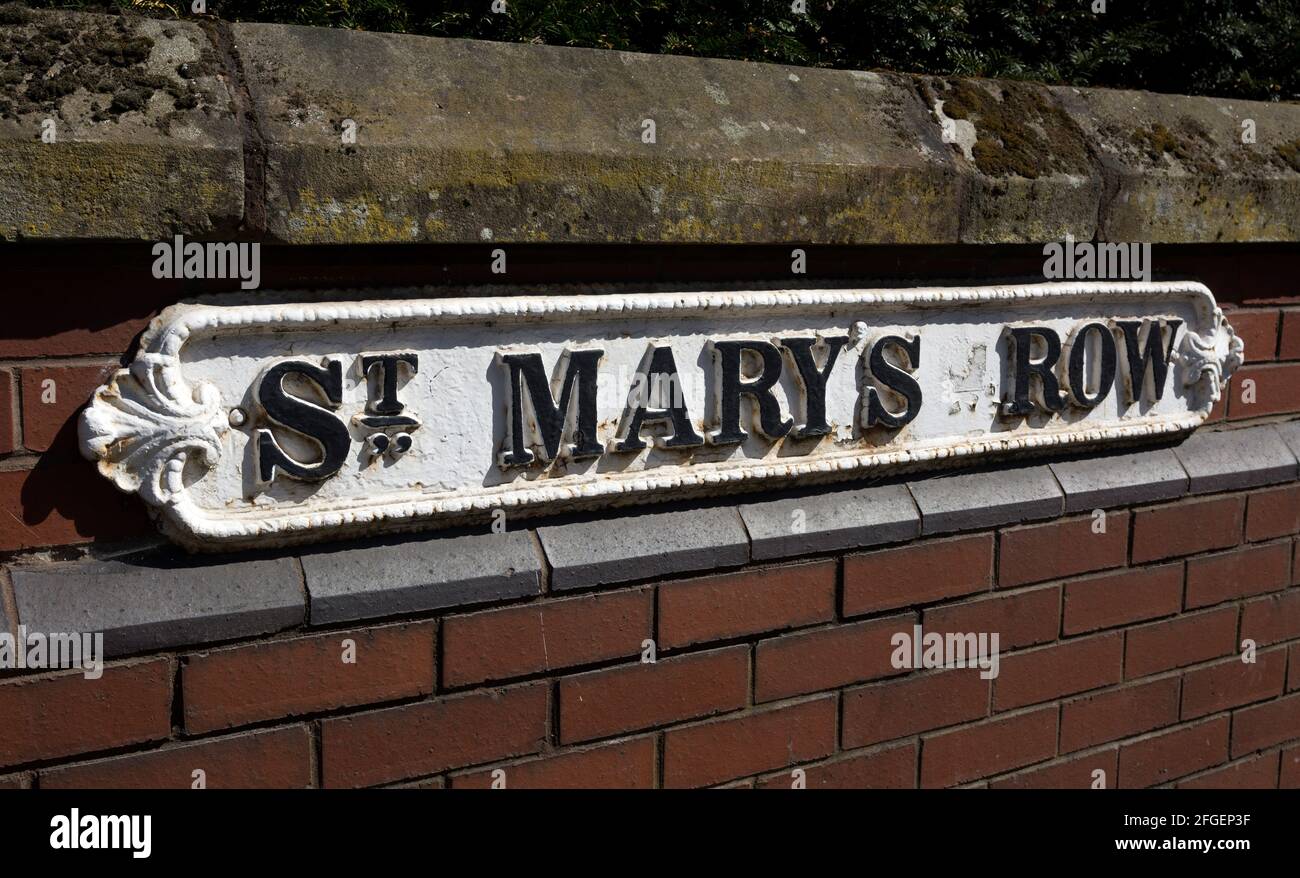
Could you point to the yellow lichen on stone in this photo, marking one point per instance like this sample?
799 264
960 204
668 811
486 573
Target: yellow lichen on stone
354 220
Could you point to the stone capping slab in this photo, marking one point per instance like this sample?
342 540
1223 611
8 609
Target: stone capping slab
465 141
831 521
144 609
173 164
974 501
1121 480
1160 152
351 584
1235 459
625 548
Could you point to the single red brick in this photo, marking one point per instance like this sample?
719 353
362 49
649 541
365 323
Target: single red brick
988 748
1289 342
1021 618
1119 598
284 678
1257 773
1252 570
49 717
100 327
621 765
1289 771
1061 669
929 571
395 743
1293 671
721 750
1181 641
891 768
64 503
631 697
827 658
8 413
749 602
1118 713
1272 619
1038 552
885 711
1262 726
275 759
1233 683
1258 328
1186 528
1077 772
544 636
52 396
1273 387
1272 513
1174 754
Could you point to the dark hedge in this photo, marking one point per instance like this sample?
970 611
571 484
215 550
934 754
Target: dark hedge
1232 48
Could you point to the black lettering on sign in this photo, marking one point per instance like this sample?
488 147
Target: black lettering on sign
898 380
309 420
1145 358
575 378
730 387
387 366
1088 365
1046 392
657 383
812 380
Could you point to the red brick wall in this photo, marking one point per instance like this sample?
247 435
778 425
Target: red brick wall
1124 659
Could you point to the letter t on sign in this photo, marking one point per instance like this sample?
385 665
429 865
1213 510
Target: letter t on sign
388 403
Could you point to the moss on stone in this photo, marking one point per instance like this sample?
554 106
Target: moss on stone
1190 144
1019 130
43 61
1289 153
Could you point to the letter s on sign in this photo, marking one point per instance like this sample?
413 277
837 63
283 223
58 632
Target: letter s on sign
315 423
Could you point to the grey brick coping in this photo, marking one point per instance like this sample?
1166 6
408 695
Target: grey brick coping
1290 433
1235 459
831 522
462 141
1097 482
416 577
973 501
642 546
141 608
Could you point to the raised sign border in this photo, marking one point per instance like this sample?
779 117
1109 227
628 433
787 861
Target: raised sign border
147 423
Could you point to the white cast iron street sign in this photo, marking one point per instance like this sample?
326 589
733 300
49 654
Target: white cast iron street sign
274 423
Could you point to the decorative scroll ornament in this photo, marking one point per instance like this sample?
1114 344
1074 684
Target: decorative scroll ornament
1211 357
147 422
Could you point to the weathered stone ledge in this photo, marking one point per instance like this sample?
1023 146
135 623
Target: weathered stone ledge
214 129
151 604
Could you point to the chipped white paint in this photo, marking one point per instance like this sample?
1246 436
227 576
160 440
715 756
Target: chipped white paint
176 426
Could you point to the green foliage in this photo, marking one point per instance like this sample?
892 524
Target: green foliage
1232 48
